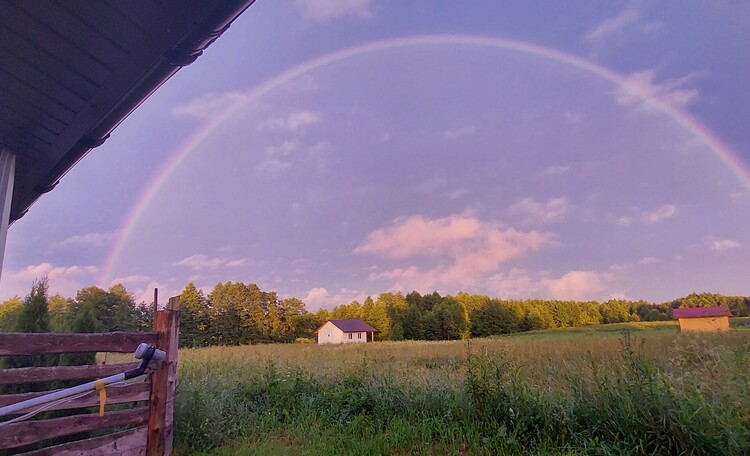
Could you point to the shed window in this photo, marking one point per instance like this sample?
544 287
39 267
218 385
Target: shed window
350 335
359 335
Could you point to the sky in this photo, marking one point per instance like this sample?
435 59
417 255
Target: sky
334 149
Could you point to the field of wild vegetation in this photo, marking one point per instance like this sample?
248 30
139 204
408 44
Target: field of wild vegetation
637 388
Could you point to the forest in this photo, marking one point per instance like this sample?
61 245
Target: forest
235 313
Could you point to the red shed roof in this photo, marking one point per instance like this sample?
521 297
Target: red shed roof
697 312
351 326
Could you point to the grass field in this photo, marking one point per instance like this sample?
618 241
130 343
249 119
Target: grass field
639 388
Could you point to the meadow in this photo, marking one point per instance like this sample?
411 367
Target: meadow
636 388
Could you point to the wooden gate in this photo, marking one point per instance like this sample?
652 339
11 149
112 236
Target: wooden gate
142 422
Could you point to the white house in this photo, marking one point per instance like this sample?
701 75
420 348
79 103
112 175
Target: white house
345 332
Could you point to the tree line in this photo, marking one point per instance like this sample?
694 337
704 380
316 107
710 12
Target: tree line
436 317
235 313
92 310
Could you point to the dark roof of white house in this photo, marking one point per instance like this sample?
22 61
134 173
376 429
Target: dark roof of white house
352 325
73 70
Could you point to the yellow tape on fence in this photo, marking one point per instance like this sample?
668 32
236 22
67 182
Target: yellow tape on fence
100 386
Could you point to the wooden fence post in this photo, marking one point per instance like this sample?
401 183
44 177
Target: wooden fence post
163 381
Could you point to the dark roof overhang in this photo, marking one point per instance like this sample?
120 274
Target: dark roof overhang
73 70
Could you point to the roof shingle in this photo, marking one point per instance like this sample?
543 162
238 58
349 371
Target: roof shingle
353 326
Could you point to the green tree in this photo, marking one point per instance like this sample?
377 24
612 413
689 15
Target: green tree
305 324
451 321
122 305
96 298
469 303
411 322
289 313
9 312
226 299
32 318
615 311
195 318
83 322
59 313
495 317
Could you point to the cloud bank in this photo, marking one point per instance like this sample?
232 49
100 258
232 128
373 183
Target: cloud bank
461 250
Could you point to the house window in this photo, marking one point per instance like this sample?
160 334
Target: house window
350 335
359 335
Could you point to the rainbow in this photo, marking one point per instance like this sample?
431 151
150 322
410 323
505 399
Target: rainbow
683 118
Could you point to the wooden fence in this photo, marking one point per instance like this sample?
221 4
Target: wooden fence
142 427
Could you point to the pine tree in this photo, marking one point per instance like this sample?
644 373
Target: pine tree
32 318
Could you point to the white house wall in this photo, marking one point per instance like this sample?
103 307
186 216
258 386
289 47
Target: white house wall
356 338
330 334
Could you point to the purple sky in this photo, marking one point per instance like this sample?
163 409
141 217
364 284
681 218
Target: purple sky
534 149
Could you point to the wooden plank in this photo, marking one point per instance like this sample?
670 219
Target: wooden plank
163 382
40 343
127 443
116 394
47 374
27 432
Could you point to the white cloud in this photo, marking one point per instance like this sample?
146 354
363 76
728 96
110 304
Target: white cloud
648 260
573 118
609 27
319 297
235 263
315 298
88 240
660 214
272 167
534 212
462 250
641 91
461 131
300 119
132 280
515 284
209 105
295 122
284 149
142 287
145 293
652 217
279 158
718 245
574 285
321 11
553 170
619 295
455 194
66 280
200 262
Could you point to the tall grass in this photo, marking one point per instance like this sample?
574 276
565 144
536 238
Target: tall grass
662 393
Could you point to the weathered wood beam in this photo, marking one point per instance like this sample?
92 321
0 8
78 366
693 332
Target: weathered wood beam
116 394
163 381
126 443
41 343
47 374
27 432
